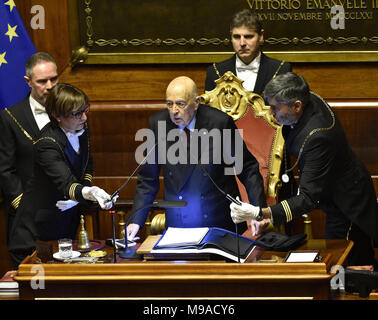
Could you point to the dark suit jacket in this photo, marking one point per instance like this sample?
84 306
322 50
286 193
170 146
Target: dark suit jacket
268 67
207 206
54 179
16 153
331 176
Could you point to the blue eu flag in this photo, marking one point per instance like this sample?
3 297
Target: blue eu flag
15 49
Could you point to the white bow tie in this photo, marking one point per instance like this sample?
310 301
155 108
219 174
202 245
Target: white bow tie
250 67
39 109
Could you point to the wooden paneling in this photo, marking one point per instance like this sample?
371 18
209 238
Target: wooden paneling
341 80
124 96
54 38
148 82
360 125
130 82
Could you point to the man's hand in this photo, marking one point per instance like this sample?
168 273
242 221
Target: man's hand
258 227
132 230
243 212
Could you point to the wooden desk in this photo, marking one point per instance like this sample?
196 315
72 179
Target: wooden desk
184 279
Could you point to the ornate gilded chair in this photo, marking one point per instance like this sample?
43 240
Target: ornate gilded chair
261 133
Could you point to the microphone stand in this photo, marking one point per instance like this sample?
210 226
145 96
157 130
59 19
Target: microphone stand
116 193
128 253
112 212
232 199
229 197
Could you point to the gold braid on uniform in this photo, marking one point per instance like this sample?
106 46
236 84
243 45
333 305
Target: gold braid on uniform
278 69
19 125
275 74
16 202
73 186
284 203
88 177
286 207
216 69
71 192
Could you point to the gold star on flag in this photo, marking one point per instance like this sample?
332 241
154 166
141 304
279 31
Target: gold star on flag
11 32
11 4
2 58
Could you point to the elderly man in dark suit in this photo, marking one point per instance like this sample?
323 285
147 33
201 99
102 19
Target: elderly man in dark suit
248 63
331 177
190 179
20 128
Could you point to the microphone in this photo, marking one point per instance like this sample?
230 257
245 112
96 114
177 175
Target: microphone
115 193
228 196
131 253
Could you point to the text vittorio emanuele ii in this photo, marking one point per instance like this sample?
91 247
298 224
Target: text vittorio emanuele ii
312 9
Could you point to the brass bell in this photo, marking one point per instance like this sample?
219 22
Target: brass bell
83 242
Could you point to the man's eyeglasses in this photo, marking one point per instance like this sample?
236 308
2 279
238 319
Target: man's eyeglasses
78 114
181 104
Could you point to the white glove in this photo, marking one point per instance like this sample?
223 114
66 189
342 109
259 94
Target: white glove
243 212
99 195
64 205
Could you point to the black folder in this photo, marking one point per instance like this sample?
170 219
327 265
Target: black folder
217 241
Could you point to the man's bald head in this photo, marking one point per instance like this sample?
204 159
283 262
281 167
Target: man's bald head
185 86
182 100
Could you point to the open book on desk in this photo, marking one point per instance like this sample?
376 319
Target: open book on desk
204 241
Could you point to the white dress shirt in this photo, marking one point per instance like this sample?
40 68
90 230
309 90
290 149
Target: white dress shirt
39 113
248 72
190 126
73 138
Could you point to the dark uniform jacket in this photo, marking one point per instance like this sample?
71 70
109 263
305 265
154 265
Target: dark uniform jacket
206 205
59 174
18 132
269 67
331 175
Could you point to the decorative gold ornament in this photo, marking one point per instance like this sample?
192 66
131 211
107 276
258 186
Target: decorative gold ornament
79 55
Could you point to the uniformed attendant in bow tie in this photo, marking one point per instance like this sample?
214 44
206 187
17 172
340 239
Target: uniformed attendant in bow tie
248 63
20 126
